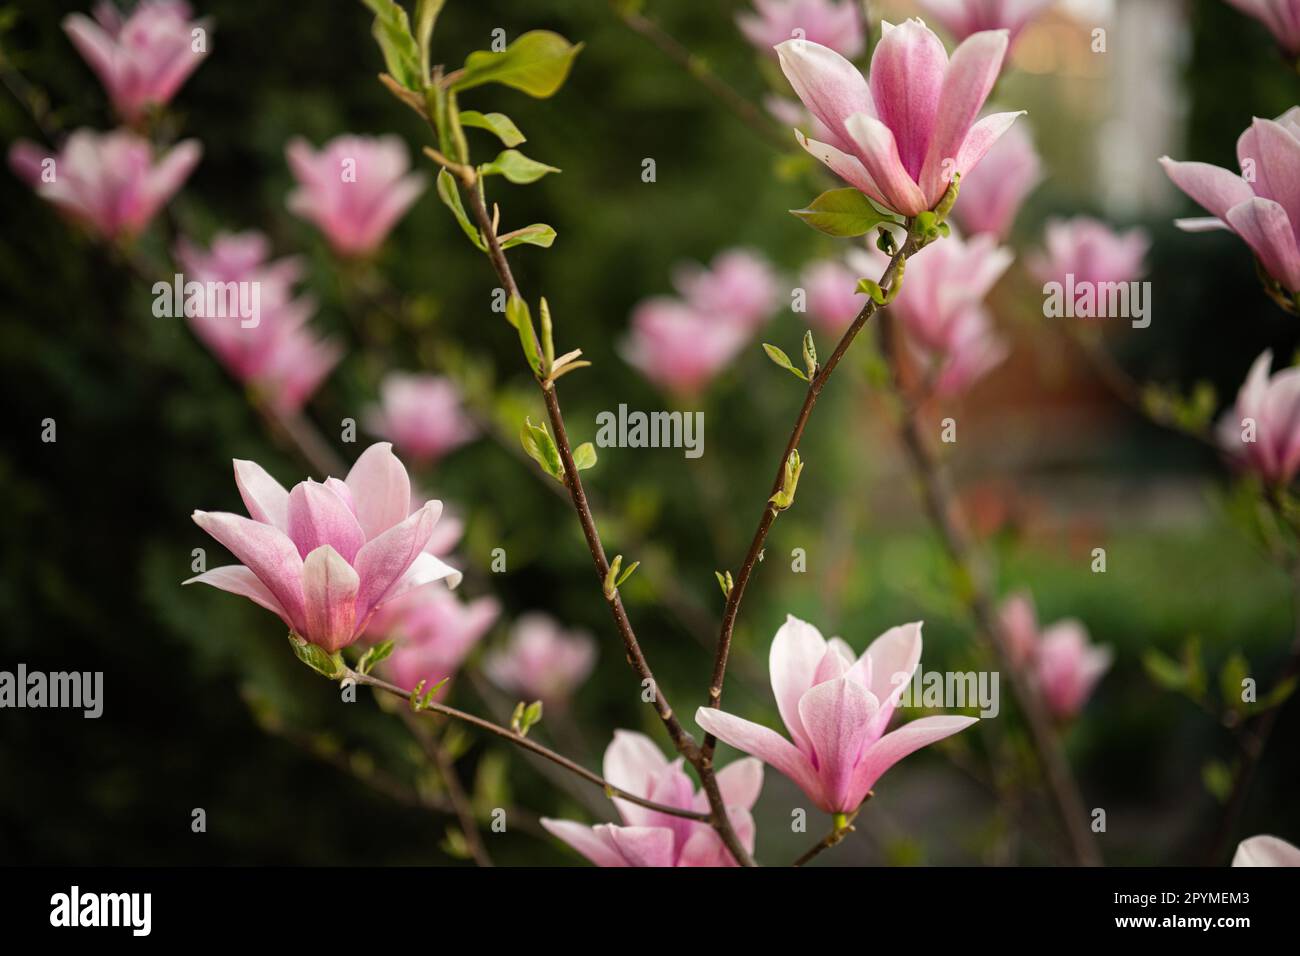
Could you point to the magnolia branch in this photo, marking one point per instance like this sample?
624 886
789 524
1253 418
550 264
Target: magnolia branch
841 827
505 733
681 738
888 283
941 505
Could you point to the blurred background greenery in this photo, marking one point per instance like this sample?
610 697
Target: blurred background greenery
205 707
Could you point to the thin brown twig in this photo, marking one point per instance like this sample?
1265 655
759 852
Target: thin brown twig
459 801
842 827
815 386
744 110
433 707
941 505
681 738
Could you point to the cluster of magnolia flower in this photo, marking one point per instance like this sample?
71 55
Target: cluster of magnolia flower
361 558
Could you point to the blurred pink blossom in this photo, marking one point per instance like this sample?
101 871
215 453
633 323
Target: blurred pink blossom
961 18
994 191
107 182
1262 203
421 414
1061 661
278 354
1091 251
1266 850
677 348
1262 431
542 662
1282 17
653 838
832 298
326 556
434 632
913 124
142 60
354 189
832 23
940 307
738 288
836 707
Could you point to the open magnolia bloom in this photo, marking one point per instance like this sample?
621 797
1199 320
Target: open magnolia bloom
652 837
836 708
912 125
1262 204
325 556
1266 850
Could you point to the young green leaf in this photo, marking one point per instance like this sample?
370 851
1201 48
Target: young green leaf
497 123
783 360
537 63
538 234
426 15
450 197
809 354
373 655
843 213
517 167
392 30
584 456
540 446
872 288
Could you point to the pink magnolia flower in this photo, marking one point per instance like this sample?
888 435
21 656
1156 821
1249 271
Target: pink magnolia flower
1262 431
1262 206
651 837
434 630
738 288
836 709
962 18
542 662
354 189
1060 661
913 124
832 298
1091 252
1266 850
940 307
421 414
448 532
275 353
142 60
832 23
1282 17
298 364
995 190
325 557
677 348
107 182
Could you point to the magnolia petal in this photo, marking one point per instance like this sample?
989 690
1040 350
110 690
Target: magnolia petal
381 489
765 744
897 744
585 840
238 579
329 586
264 497
837 716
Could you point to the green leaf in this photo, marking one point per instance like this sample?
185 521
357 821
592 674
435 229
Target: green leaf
627 573
584 456
373 655
783 360
450 197
426 15
1164 670
809 354
518 315
843 213
1276 697
327 665
540 446
517 167
498 123
872 288
538 234
537 63
1235 670
1217 779
392 30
